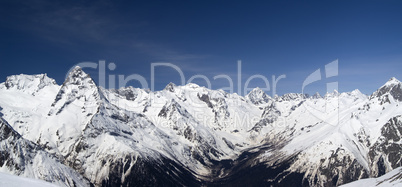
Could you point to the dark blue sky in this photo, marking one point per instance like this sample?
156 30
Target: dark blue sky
208 38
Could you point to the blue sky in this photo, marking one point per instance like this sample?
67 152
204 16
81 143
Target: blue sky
289 38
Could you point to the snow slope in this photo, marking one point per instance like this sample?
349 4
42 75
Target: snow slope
15 181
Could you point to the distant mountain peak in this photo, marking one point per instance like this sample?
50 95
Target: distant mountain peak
392 81
192 85
29 83
77 68
256 89
258 96
76 75
356 91
332 94
170 87
316 96
392 87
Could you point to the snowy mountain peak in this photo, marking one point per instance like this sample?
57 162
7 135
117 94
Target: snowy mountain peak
356 94
256 90
258 96
77 76
316 96
392 87
392 81
335 93
192 85
78 87
28 83
170 87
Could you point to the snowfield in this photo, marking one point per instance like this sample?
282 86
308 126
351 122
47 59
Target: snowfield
16 181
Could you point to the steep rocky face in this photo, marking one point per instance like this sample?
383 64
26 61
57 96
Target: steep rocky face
128 93
24 158
386 152
219 108
338 168
270 115
143 172
245 171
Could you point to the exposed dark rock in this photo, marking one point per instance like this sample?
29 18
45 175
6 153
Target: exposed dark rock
386 151
205 98
170 87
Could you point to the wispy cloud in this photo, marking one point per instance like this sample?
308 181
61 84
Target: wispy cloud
59 22
97 23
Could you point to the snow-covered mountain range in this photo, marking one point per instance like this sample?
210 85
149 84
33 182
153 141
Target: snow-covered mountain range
79 134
